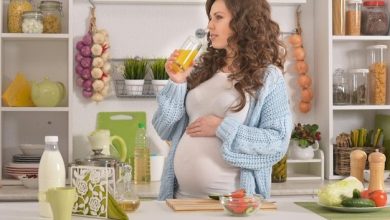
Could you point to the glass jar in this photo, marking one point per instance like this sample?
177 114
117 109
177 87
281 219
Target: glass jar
378 73
338 17
341 88
14 14
279 171
359 86
32 22
375 18
353 17
52 16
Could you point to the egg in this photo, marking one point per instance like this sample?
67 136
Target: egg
301 67
299 53
306 95
304 81
304 107
295 40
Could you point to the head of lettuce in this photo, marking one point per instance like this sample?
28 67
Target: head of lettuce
330 195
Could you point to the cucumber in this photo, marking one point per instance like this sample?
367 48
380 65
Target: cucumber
353 202
356 194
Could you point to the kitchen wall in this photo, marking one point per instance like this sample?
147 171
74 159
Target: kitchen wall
153 31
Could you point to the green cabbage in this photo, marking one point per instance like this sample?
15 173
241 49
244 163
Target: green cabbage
330 194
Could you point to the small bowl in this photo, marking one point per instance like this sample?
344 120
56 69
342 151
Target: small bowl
245 206
29 181
32 149
367 175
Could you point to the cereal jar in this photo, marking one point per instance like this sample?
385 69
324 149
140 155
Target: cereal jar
14 14
378 73
52 16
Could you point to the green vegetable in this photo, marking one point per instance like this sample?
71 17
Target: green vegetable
352 202
330 194
356 194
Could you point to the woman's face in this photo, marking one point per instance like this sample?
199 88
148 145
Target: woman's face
218 25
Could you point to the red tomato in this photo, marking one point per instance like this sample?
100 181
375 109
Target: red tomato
364 194
238 207
379 197
240 193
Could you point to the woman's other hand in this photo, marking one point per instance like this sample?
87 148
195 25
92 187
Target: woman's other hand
205 126
177 77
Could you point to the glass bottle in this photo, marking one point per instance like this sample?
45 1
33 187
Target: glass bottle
127 199
32 22
353 17
341 88
359 94
375 18
338 9
51 173
378 73
141 156
52 16
188 51
14 14
279 171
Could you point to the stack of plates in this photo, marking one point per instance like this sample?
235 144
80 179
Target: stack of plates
22 158
19 169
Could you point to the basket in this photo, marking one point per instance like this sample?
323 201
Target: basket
341 157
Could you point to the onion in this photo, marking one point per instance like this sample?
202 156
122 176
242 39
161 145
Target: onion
87 39
86 62
87 84
89 89
85 51
79 82
87 94
79 45
78 57
79 69
86 75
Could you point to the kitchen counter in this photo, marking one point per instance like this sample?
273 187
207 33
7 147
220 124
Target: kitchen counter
159 210
12 192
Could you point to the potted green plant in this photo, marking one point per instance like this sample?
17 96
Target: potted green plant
134 74
160 76
304 141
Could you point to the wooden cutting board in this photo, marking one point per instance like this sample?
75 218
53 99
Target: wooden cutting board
205 205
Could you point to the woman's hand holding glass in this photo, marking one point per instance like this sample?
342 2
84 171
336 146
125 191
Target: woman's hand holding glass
205 126
180 76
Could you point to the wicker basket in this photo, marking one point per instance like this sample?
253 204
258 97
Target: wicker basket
342 161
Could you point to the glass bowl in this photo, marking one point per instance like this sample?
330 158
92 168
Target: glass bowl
245 206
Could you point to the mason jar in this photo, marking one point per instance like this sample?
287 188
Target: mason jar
359 81
52 16
32 22
377 63
341 88
14 14
375 18
354 13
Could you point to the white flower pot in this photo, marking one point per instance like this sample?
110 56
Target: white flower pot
299 153
158 85
134 87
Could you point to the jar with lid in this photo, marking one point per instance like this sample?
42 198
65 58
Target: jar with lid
338 17
359 84
52 16
378 73
375 18
341 88
14 14
353 17
32 22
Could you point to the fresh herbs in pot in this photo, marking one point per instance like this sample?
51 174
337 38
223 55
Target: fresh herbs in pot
158 69
135 68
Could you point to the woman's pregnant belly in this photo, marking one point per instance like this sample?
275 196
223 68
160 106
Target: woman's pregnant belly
200 168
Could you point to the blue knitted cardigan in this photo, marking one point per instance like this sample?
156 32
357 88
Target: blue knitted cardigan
253 146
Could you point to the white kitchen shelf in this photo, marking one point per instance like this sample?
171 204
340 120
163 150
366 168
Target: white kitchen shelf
312 169
35 109
361 107
15 36
361 38
184 2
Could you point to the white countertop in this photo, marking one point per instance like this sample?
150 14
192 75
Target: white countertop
159 210
290 188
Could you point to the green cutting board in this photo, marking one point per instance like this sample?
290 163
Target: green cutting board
123 124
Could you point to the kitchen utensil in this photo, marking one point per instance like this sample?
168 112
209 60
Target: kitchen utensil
101 142
61 201
47 93
245 206
206 205
124 125
32 149
29 181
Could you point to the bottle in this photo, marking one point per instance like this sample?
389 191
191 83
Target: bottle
127 199
51 173
188 51
377 62
14 14
52 15
358 163
141 156
377 168
354 13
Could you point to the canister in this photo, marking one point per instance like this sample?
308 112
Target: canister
353 17
375 18
377 62
52 16
359 86
338 17
32 22
14 14
341 88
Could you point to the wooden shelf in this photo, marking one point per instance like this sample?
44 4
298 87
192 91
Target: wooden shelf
186 2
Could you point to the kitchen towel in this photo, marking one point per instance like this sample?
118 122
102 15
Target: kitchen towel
333 215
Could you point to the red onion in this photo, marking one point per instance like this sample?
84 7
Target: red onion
78 57
79 82
87 84
87 94
86 62
86 51
79 45
79 69
86 75
87 39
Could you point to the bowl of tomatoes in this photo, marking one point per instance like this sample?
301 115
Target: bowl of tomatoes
240 204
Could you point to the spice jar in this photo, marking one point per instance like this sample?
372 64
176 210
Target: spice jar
378 73
32 22
375 18
358 164
377 168
353 17
14 14
52 16
341 88
338 17
359 85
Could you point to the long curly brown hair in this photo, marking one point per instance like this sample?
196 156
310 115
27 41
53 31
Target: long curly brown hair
256 39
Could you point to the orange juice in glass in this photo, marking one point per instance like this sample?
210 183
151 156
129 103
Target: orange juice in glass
187 54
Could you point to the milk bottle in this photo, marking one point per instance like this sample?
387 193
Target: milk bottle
51 173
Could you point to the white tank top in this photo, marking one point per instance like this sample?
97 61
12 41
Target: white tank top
198 163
